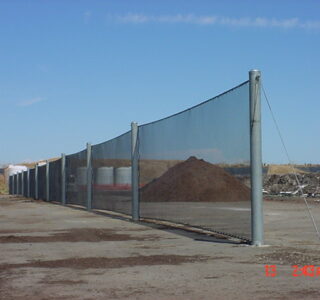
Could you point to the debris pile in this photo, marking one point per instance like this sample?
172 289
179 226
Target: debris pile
277 184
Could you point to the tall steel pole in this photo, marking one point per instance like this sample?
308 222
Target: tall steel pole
135 209
63 179
256 158
89 177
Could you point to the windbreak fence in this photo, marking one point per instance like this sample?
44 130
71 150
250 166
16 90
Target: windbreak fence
25 183
20 183
193 169
32 183
42 182
15 184
111 164
76 178
185 163
55 181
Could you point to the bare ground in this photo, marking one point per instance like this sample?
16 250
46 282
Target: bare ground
54 252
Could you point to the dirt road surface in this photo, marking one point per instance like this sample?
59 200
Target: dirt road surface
53 252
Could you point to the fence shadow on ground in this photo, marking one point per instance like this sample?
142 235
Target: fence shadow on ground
189 232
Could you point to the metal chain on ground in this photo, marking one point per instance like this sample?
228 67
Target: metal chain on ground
290 163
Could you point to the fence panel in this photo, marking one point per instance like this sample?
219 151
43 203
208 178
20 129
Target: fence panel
19 192
189 165
15 184
111 163
55 180
25 183
32 183
42 182
76 178
194 168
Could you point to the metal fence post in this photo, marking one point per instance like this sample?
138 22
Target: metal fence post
28 183
89 177
63 179
135 171
36 183
256 158
47 180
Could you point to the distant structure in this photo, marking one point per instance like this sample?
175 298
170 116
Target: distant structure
11 170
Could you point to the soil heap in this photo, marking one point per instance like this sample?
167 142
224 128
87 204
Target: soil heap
195 180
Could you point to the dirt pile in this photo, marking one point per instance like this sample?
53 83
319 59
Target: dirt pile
195 180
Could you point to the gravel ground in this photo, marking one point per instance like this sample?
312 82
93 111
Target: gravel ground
53 252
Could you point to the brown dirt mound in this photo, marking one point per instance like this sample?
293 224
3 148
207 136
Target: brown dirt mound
195 180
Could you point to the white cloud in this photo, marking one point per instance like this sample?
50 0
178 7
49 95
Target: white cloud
191 19
219 20
30 102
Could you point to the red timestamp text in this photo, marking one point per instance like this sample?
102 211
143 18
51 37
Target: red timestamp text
297 271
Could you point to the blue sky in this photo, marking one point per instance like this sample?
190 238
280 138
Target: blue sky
80 71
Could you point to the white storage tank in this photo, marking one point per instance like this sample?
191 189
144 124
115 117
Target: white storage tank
123 176
11 170
104 176
81 178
